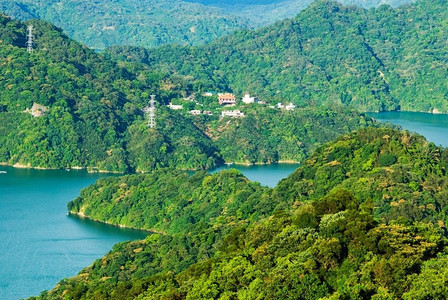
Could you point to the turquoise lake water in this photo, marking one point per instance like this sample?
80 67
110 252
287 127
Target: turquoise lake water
42 245
268 175
433 127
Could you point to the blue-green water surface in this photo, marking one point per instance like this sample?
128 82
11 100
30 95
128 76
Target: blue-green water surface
268 175
40 244
434 127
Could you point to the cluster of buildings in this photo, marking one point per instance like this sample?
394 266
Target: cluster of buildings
228 100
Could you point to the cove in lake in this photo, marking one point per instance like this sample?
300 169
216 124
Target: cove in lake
268 175
432 126
40 244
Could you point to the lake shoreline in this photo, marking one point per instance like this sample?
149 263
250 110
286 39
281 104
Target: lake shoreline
248 164
84 216
433 112
90 171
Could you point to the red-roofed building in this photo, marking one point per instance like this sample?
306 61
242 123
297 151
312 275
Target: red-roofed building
227 99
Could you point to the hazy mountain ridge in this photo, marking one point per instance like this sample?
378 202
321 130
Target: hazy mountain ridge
152 23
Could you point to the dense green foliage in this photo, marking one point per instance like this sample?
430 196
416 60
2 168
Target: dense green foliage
94 118
150 23
403 174
172 201
374 60
363 218
267 136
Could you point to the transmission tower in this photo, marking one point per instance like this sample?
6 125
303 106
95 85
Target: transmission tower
150 112
29 42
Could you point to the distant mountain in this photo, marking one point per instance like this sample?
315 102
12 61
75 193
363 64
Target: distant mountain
149 23
373 60
265 12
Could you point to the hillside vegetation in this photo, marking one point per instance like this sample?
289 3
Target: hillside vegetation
347 224
152 23
147 23
373 60
92 109
91 115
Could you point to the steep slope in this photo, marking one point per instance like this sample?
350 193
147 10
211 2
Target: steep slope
378 59
89 109
363 217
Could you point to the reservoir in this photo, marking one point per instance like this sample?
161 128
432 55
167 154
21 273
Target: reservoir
40 244
434 127
268 175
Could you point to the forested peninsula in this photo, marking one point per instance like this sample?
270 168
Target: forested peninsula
363 217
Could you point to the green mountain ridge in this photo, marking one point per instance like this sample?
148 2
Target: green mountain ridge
152 23
325 232
93 108
372 60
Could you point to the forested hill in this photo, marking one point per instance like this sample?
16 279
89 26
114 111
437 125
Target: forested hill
90 109
150 23
377 59
364 218
88 113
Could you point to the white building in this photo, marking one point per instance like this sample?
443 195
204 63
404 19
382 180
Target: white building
290 106
248 99
232 113
175 107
